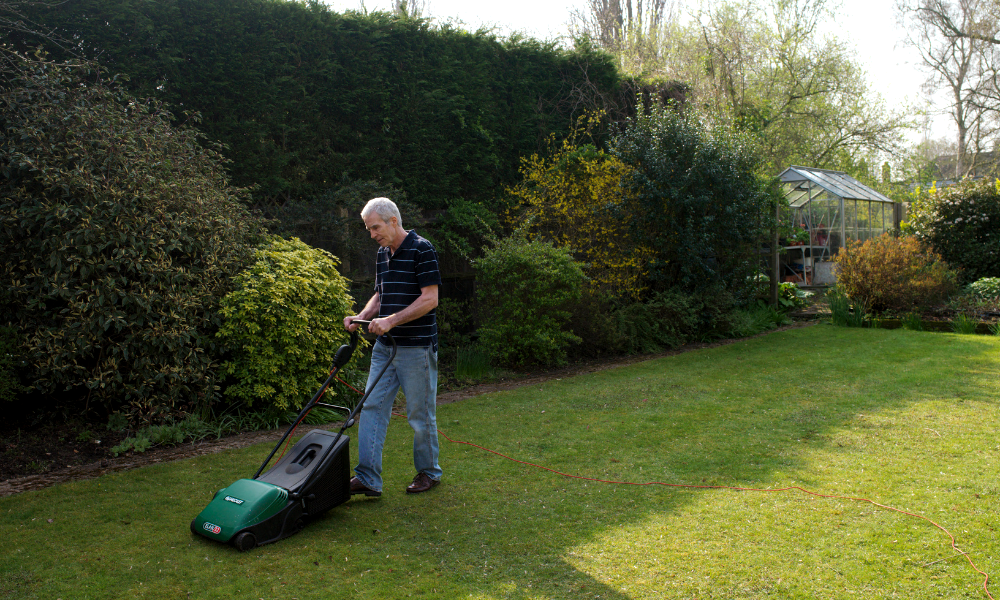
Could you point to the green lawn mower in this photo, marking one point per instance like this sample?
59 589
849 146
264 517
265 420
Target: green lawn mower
306 482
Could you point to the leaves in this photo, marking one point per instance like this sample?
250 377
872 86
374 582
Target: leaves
527 289
283 324
121 233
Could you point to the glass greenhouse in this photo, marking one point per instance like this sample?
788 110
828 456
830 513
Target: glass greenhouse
828 208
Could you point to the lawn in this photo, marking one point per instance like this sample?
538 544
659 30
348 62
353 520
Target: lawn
907 419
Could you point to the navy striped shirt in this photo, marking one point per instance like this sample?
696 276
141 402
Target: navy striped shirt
398 279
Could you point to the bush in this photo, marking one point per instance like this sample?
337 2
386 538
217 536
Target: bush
962 224
120 235
667 320
525 291
701 206
987 288
10 364
283 324
574 198
792 297
757 318
893 273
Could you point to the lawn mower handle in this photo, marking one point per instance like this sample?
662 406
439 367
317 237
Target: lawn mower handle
340 359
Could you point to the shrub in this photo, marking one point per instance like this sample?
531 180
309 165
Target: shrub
525 290
962 224
792 297
574 198
757 318
964 324
10 364
912 322
987 288
283 324
120 235
700 205
893 273
667 320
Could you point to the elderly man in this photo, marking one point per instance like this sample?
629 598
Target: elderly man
406 294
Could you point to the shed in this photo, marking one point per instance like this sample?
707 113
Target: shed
833 208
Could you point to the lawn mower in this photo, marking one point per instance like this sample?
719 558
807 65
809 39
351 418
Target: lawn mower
306 482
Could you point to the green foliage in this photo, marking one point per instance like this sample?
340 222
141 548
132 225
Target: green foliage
574 198
331 220
10 364
987 288
667 320
283 324
120 234
962 224
756 318
964 324
913 322
893 273
193 428
301 94
472 364
526 290
995 328
699 204
845 311
792 297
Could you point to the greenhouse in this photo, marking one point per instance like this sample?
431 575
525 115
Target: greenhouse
826 209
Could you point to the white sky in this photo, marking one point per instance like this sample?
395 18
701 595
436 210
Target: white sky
893 69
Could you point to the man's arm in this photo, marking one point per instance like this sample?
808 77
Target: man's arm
425 303
370 310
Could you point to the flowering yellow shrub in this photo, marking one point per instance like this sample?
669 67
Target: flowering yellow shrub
574 198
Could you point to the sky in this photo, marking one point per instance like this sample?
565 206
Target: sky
870 25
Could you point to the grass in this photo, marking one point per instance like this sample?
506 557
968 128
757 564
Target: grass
903 418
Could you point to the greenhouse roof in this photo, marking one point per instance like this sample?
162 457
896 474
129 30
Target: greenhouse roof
836 183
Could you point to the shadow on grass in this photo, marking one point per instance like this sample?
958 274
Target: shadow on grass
750 414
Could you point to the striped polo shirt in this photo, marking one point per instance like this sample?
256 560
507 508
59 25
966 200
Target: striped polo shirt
398 279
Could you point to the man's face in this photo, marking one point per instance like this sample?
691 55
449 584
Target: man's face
381 232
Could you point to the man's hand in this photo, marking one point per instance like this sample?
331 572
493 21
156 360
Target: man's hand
380 326
349 323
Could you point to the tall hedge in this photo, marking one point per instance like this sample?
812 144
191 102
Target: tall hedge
303 95
119 237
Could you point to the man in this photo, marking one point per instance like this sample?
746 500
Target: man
406 294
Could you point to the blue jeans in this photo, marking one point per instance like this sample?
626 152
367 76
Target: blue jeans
415 371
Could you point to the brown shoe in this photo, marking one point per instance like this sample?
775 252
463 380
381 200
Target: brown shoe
421 483
359 488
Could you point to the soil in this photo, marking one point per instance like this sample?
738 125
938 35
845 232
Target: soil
55 453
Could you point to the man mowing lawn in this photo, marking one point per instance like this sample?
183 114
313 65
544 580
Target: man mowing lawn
406 294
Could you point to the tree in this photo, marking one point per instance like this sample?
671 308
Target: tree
770 71
773 73
954 43
632 31
700 204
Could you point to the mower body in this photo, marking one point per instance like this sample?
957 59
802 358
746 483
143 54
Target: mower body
309 480
305 483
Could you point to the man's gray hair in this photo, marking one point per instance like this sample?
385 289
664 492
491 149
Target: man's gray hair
384 208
